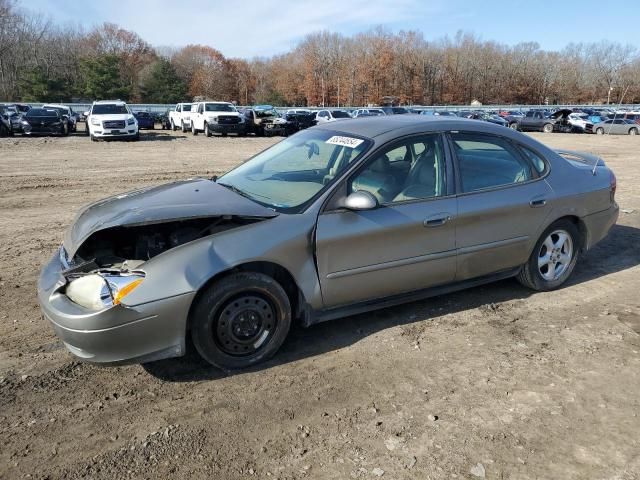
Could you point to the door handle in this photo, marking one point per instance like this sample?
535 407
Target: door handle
437 221
538 202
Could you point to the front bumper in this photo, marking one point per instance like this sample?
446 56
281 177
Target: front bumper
227 127
117 335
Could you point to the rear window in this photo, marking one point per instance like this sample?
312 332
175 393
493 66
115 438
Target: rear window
41 112
339 114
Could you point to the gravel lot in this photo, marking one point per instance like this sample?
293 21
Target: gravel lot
494 382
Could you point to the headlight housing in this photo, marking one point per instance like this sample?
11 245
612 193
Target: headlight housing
212 119
98 291
95 121
131 121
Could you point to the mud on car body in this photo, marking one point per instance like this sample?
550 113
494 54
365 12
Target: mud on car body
334 220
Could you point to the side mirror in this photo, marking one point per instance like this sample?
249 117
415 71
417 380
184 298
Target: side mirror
361 200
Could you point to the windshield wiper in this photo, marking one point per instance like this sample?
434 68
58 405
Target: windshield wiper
235 189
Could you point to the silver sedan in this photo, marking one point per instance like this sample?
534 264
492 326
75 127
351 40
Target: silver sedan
338 219
617 126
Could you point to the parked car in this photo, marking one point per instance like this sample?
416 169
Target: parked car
580 122
616 127
394 110
324 116
216 117
145 120
112 119
44 121
298 120
66 112
486 117
180 117
338 219
163 119
6 128
369 112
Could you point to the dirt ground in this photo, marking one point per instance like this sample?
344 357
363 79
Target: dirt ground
493 382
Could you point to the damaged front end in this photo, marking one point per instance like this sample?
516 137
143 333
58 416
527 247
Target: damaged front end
108 265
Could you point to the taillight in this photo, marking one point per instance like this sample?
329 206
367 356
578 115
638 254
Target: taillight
613 184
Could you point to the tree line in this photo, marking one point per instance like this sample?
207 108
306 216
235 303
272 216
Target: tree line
43 62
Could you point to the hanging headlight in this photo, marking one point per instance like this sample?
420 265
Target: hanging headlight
102 290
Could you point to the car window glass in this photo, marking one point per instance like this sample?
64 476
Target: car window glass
392 182
535 159
485 161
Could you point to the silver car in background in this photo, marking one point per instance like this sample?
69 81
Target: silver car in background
618 126
338 219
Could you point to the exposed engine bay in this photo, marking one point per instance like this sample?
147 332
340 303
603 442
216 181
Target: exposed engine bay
125 248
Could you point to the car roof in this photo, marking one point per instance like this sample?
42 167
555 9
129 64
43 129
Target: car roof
109 102
407 124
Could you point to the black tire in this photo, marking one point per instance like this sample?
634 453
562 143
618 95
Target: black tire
194 132
531 275
234 314
207 132
4 131
633 131
600 131
173 126
93 139
547 128
514 126
184 129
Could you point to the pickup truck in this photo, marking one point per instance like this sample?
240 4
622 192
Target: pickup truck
216 117
180 117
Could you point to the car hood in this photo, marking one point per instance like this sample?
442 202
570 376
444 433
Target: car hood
113 116
187 199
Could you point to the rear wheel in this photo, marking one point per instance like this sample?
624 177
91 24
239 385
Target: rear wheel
553 259
241 320
547 128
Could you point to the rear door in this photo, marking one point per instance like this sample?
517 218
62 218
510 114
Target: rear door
502 203
404 245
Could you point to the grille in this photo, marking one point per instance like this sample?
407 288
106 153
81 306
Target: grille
113 124
228 119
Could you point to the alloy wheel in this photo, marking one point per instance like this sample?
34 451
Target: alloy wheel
555 255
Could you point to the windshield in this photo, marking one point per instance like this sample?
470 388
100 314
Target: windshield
218 107
292 172
41 112
109 109
62 110
340 114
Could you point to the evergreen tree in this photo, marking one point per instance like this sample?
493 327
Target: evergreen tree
102 80
163 85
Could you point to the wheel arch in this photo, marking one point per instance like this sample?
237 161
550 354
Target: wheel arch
580 225
280 274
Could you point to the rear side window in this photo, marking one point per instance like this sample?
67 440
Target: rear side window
486 161
535 159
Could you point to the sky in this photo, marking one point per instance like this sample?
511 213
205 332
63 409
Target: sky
250 28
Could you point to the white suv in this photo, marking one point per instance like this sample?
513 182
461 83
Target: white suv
112 119
219 117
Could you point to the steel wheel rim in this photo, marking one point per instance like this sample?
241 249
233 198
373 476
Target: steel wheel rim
555 255
245 325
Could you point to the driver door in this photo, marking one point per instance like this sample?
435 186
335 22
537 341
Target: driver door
405 244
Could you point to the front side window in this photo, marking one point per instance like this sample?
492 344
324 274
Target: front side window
411 170
289 174
486 161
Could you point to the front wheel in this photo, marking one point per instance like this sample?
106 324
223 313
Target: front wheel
547 128
241 320
513 126
182 126
207 132
553 259
600 131
633 131
193 129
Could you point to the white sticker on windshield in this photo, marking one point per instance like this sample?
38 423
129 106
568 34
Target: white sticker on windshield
344 141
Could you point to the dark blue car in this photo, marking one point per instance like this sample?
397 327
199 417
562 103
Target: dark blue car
145 120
